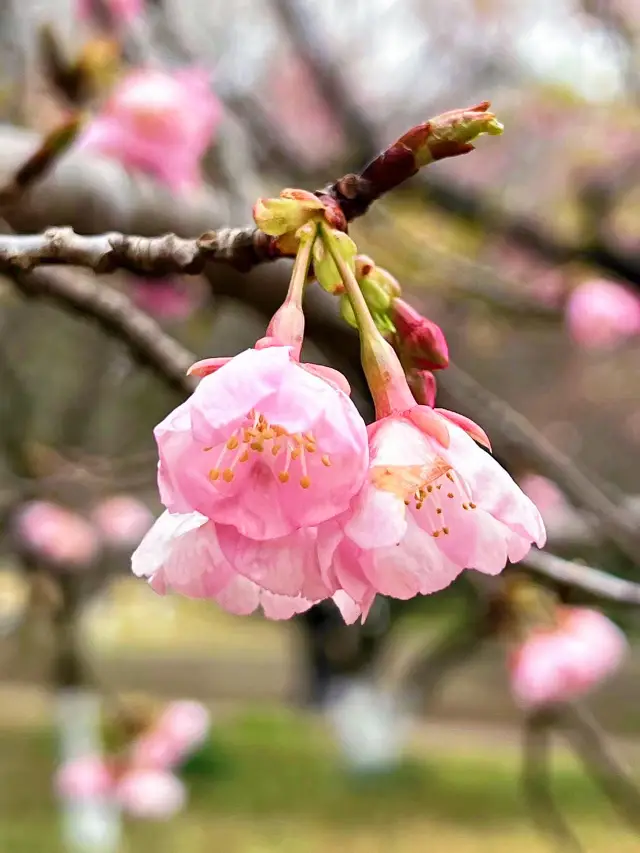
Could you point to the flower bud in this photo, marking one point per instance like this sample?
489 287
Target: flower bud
324 267
346 311
450 133
422 340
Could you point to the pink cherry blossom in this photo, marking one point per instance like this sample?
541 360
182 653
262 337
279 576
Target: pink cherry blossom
427 512
151 794
559 516
160 123
264 446
601 314
156 751
168 298
180 731
122 520
57 535
185 554
123 11
568 661
84 778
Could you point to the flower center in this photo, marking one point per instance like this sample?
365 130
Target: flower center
257 436
431 486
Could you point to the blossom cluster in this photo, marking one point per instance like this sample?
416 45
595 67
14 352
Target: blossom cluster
143 781
276 492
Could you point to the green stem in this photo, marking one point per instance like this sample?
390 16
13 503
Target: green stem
300 270
382 368
366 323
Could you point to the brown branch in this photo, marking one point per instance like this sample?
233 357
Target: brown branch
118 317
241 248
536 779
594 581
447 135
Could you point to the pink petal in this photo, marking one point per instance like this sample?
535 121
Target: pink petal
330 375
470 427
207 366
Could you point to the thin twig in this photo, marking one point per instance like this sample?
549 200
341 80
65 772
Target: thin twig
594 581
536 778
590 743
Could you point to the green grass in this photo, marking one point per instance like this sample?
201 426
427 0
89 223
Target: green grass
272 781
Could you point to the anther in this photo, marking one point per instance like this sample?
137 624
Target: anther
430 489
207 449
257 446
326 461
275 449
283 476
465 506
295 453
449 476
244 456
419 505
232 443
472 506
450 494
214 474
227 475
435 534
445 530
305 481
439 510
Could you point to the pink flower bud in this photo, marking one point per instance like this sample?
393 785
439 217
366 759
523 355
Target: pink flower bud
601 314
122 520
57 535
423 386
422 339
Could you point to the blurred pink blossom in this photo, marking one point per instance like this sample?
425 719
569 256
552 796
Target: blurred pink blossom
601 314
170 298
265 446
123 11
156 750
180 731
57 535
566 662
151 794
160 123
84 778
122 520
186 723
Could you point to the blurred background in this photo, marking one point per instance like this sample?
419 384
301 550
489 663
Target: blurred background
400 734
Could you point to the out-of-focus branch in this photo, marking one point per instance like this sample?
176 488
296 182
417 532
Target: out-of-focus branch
594 581
118 317
591 744
447 135
303 32
472 206
512 429
536 778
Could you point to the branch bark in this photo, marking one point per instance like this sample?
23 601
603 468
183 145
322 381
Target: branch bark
594 581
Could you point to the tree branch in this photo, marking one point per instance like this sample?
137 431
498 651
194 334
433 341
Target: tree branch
447 135
594 581
118 317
